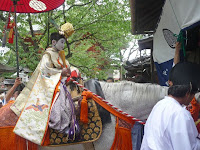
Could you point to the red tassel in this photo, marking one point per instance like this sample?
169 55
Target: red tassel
11 33
11 36
84 109
123 140
84 106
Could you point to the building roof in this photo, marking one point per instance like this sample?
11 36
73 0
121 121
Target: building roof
145 15
137 63
146 43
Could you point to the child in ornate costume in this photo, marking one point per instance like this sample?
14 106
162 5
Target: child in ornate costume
44 92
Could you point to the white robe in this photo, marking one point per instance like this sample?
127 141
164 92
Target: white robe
170 127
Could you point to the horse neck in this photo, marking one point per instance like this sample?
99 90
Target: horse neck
133 97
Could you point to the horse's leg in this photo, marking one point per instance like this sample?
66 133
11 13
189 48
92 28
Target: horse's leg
106 139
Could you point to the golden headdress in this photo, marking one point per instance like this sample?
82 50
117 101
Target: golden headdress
66 29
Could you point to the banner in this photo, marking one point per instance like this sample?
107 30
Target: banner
176 15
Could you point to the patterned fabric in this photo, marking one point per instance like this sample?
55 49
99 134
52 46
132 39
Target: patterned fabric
48 66
33 120
89 132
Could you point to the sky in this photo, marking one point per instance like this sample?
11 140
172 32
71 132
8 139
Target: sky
136 53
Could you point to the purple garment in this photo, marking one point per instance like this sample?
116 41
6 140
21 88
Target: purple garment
61 113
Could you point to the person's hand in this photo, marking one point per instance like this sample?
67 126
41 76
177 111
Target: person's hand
178 46
17 81
66 72
189 107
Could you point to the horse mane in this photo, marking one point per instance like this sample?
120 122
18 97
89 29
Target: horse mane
137 99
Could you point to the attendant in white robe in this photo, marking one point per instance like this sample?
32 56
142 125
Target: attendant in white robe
170 126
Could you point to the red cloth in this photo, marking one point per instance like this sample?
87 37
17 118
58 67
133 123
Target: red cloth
7 116
195 109
8 139
195 112
74 74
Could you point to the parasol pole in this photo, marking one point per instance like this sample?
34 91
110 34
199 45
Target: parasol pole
16 40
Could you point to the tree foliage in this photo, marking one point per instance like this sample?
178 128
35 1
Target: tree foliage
103 26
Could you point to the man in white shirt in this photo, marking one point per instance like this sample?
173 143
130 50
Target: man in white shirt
170 126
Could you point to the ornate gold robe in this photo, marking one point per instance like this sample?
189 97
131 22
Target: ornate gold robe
33 105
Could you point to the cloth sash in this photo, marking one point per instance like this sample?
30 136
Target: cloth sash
33 121
19 103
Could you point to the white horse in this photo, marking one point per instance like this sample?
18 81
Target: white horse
134 98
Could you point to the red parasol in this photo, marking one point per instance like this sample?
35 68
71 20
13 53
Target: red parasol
30 6
27 6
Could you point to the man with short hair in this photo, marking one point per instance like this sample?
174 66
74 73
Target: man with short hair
170 126
110 79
